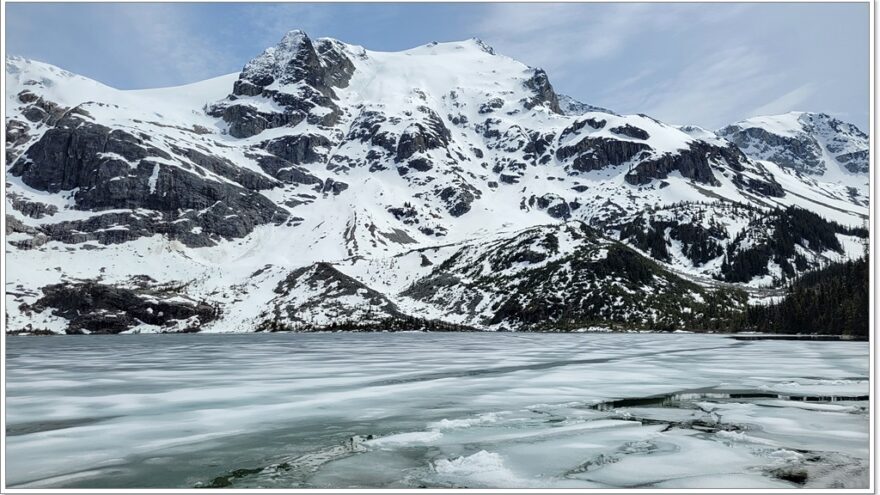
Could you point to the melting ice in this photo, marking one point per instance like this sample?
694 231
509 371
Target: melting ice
436 410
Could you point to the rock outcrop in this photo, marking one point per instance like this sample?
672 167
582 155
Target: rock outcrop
287 84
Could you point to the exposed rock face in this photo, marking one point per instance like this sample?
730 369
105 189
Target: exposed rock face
630 131
693 164
296 59
368 128
80 154
16 134
570 106
458 198
800 152
555 205
299 149
580 124
491 105
40 110
31 238
765 186
108 169
30 208
422 136
333 186
224 167
93 307
598 153
544 94
306 71
800 141
857 162
245 120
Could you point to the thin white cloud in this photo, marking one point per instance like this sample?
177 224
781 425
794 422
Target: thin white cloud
166 43
786 102
577 43
629 82
555 35
267 23
711 89
707 64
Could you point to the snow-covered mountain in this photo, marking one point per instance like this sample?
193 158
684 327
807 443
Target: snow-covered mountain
811 143
330 186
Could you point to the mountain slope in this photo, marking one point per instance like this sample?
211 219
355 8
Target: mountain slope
564 277
381 164
811 143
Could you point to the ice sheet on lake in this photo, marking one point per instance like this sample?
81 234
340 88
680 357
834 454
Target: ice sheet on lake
444 410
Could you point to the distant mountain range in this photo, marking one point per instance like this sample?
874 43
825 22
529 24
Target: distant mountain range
447 187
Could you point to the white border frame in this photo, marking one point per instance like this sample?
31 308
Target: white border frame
872 267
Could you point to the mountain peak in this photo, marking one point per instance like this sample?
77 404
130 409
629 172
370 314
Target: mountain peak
790 122
469 45
294 36
483 45
810 142
294 50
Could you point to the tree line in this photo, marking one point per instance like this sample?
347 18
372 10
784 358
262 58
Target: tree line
833 300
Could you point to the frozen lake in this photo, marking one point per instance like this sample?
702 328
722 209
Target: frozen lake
435 410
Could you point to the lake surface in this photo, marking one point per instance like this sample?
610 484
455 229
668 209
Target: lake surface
382 410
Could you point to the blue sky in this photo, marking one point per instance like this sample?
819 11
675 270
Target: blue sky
704 64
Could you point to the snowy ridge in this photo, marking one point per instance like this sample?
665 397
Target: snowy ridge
811 143
571 106
325 181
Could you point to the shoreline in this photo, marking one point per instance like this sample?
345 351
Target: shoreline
746 336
